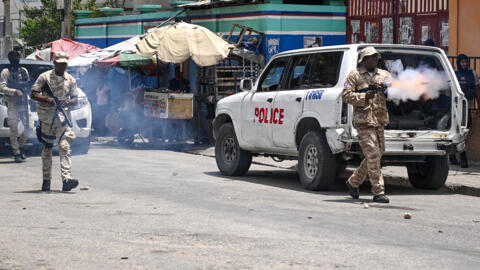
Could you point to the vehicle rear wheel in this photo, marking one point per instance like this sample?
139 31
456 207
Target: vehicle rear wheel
317 166
429 175
231 160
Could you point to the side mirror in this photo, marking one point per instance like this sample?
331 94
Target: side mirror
246 84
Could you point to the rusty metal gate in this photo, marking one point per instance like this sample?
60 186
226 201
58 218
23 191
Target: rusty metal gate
398 21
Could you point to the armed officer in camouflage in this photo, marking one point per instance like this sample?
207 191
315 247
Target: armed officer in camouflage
52 123
14 83
370 117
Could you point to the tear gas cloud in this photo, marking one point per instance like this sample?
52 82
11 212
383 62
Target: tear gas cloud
414 84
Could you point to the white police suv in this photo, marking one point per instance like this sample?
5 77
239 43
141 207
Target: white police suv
295 111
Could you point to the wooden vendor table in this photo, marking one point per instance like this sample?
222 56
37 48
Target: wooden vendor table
168 105
170 114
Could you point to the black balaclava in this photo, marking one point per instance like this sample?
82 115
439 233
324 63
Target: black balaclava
14 58
461 57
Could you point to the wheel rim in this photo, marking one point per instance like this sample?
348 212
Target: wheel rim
310 160
229 149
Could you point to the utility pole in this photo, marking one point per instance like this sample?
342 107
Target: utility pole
7 39
67 19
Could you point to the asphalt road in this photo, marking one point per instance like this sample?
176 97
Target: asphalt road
153 209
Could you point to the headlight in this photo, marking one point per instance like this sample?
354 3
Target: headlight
82 102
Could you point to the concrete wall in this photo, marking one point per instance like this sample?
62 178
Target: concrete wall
464 27
464 38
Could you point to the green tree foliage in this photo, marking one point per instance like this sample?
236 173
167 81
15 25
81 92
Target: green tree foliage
42 25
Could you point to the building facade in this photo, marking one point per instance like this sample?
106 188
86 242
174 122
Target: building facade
286 26
398 21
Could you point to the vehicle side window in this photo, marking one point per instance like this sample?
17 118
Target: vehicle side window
272 77
299 75
325 69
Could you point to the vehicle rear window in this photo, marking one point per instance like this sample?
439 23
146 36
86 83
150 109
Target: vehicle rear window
325 68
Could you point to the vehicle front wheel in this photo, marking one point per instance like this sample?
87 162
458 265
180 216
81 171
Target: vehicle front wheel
429 175
231 160
317 165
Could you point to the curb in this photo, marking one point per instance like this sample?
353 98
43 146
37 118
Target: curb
461 189
389 179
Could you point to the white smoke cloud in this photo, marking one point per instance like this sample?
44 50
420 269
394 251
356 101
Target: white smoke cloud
412 84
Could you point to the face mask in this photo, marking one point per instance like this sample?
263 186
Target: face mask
15 63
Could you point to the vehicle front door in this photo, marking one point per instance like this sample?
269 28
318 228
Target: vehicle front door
257 105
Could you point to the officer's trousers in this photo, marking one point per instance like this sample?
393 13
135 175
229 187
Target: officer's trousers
16 114
66 136
372 142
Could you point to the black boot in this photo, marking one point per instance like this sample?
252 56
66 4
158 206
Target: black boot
463 160
354 192
381 198
22 154
69 184
18 158
453 159
46 185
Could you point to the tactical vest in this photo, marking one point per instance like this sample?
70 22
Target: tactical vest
467 83
18 80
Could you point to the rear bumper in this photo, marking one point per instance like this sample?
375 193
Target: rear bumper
414 148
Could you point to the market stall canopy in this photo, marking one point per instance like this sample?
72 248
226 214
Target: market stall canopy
87 59
109 62
72 48
177 42
41 55
125 59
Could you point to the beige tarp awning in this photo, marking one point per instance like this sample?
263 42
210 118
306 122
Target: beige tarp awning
178 42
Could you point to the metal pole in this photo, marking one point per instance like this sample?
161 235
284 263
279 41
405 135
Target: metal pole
158 71
7 44
67 20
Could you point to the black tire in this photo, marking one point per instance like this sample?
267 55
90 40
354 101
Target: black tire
231 160
429 175
317 166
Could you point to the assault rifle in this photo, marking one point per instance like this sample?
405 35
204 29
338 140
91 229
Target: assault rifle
373 88
59 109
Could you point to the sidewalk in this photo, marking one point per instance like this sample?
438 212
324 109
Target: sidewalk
460 181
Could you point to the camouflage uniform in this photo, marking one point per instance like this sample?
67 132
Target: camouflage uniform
16 106
370 118
62 87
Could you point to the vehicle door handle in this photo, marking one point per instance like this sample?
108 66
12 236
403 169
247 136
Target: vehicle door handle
270 100
298 99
